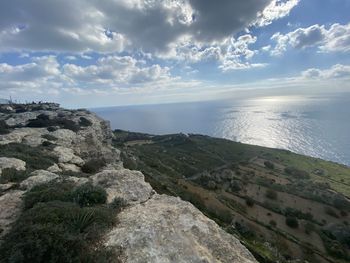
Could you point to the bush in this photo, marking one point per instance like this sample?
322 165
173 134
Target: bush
84 122
292 222
269 165
331 212
273 223
297 173
89 195
93 166
4 128
36 158
249 202
57 232
271 194
118 203
52 191
44 121
12 175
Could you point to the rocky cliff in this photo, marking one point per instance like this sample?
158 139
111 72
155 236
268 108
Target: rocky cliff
40 143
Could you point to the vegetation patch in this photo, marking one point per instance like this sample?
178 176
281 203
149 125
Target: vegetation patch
93 166
4 128
43 120
61 223
36 158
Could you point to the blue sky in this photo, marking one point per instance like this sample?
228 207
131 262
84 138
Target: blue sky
120 52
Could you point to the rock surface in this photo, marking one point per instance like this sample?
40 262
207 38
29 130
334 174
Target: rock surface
13 163
125 184
36 178
166 229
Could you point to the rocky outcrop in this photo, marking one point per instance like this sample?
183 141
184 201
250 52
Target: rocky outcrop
152 228
167 229
36 178
125 184
13 163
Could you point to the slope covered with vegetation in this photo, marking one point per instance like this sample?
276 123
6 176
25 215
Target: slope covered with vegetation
281 205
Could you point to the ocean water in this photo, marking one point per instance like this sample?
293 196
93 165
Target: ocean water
317 126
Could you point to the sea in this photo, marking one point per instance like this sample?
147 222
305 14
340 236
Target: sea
317 125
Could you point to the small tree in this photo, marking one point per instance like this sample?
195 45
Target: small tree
292 222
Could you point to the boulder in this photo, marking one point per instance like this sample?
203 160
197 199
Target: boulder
126 184
69 167
66 155
36 178
167 229
13 163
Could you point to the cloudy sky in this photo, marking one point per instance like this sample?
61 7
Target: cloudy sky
87 53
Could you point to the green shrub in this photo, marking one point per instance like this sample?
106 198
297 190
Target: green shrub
331 212
84 122
297 173
273 223
52 191
118 203
249 202
292 222
49 137
58 232
271 194
36 158
44 121
89 195
4 128
93 166
12 175
269 165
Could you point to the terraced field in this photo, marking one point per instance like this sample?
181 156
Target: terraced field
281 205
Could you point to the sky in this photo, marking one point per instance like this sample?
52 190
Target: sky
94 53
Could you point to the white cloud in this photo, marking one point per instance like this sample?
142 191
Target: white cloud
275 10
337 71
334 39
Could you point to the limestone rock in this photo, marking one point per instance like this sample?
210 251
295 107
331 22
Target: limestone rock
10 208
54 169
22 118
36 178
5 187
30 136
14 163
69 167
126 184
66 155
167 229
78 180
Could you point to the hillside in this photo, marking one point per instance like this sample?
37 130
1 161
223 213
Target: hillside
283 206
66 197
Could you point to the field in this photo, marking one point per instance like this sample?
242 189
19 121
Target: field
281 205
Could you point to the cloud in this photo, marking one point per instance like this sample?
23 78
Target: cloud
334 39
44 74
116 70
337 71
128 25
276 10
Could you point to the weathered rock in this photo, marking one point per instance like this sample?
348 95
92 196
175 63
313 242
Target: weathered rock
126 184
5 187
69 167
78 180
66 155
167 229
30 136
13 163
10 208
21 118
36 178
54 169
